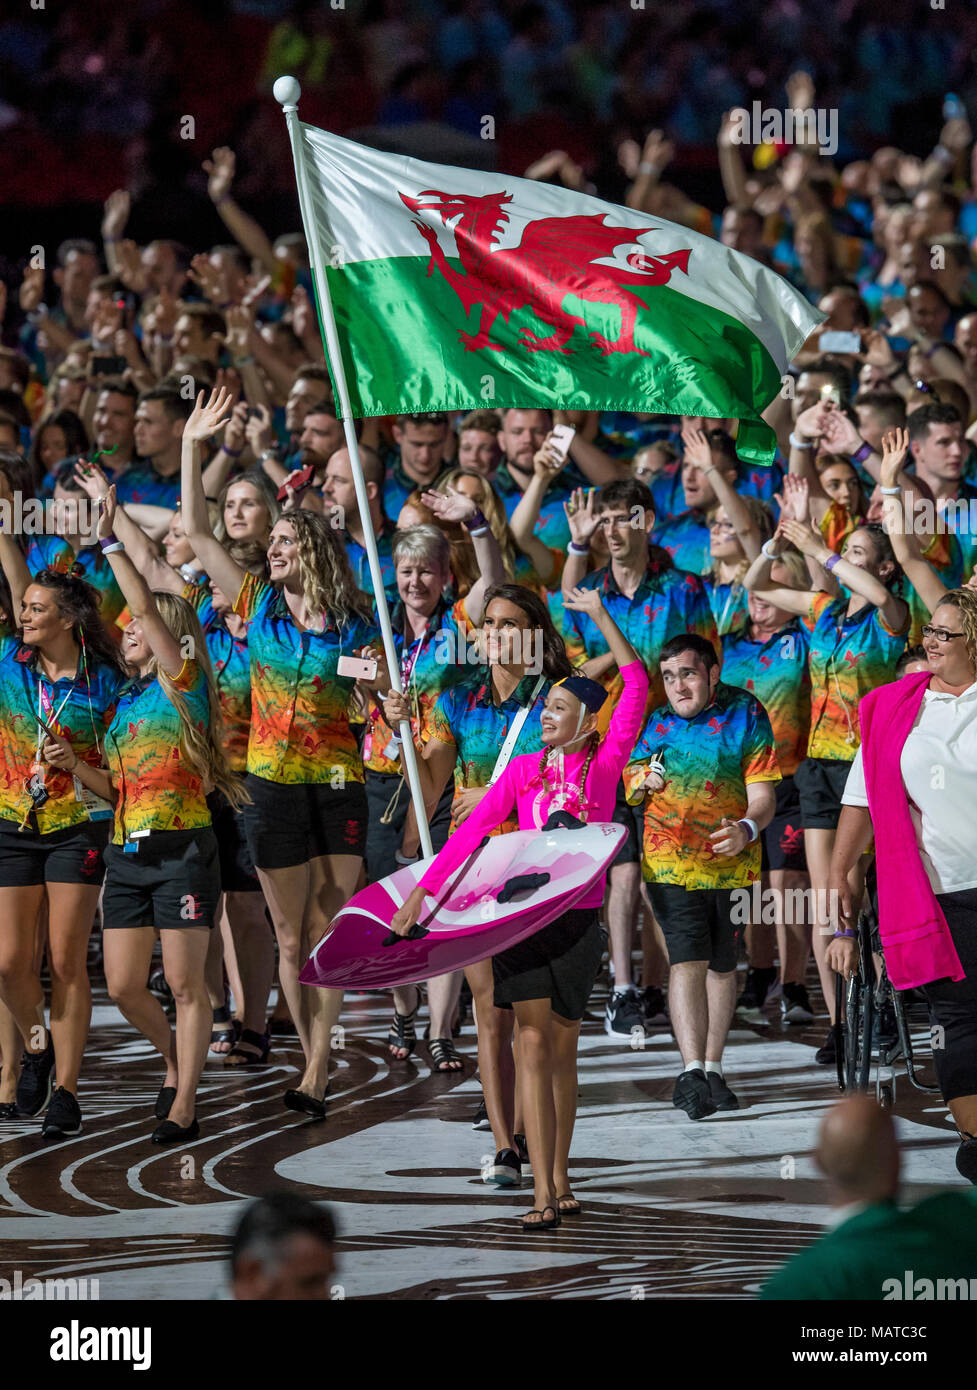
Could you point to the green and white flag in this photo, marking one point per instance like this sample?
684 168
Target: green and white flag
454 289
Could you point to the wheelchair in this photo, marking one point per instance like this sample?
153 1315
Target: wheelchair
866 1007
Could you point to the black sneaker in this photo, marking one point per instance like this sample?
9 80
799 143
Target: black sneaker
692 1094
504 1172
63 1116
827 1053
654 1006
759 983
525 1167
624 1014
967 1159
34 1084
795 1006
481 1120
720 1092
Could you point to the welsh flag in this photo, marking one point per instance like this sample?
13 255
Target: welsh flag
454 289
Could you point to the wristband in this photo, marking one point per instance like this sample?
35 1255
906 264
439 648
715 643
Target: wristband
109 548
106 542
110 240
575 549
770 554
242 361
646 167
797 442
269 454
831 562
862 452
475 522
231 454
224 198
847 934
890 491
752 828
405 858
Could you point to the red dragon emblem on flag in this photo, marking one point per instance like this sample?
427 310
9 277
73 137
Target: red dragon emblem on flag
556 257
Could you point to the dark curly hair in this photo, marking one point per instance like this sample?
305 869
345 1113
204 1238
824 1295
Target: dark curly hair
78 600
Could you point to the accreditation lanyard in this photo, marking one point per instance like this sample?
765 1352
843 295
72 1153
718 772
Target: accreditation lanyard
511 738
44 707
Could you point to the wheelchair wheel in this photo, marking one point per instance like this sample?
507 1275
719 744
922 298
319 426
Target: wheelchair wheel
856 1014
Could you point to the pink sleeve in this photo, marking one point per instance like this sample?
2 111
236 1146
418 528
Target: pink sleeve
628 718
495 807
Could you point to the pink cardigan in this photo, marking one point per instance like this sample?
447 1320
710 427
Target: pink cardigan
915 936
519 786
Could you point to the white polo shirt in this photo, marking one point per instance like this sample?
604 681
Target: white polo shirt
939 772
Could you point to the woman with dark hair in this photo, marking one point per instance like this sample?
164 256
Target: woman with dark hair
546 980
924 846
856 638
58 436
477 727
307 821
61 673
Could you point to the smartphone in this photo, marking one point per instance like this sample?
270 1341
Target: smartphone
356 668
107 366
840 342
830 393
50 732
297 484
561 437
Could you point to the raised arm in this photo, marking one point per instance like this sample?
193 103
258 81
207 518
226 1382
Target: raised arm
205 420
905 544
455 506
856 580
547 463
243 228
597 467
142 605
582 518
757 580
140 549
12 560
697 450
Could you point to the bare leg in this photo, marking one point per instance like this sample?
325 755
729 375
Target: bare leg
536 1082
818 846
20 985
254 950
184 957
71 915
688 1008
964 1112
11 1044
624 882
793 926
128 952
214 976
333 880
760 943
496 1065
442 1002
721 1002
654 956
286 892
565 1039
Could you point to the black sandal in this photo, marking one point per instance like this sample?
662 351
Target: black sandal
543 1224
402 1032
249 1059
443 1050
230 1034
568 1211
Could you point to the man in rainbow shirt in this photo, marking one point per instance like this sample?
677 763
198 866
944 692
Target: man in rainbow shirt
706 766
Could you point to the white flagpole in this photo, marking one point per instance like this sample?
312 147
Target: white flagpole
287 91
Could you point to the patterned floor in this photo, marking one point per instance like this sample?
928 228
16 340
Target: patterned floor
672 1209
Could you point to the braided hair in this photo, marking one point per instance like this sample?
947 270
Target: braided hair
593 743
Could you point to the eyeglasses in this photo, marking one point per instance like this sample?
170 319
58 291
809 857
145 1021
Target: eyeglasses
941 634
721 526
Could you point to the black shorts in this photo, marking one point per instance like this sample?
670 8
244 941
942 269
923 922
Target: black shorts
72 855
560 963
697 924
236 864
289 823
782 843
821 784
634 818
953 1004
171 879
384 838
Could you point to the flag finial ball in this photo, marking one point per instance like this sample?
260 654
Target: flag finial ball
287 91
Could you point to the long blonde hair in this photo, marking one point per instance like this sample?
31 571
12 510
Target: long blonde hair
761 518
202 747
328 586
